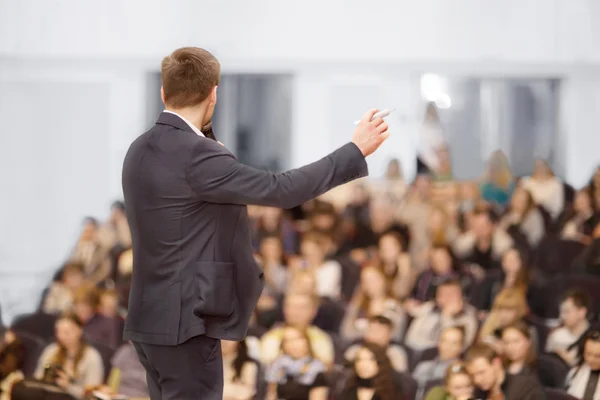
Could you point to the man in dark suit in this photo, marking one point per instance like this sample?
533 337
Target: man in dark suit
195 280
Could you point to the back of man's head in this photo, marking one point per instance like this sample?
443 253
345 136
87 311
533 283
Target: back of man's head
188 76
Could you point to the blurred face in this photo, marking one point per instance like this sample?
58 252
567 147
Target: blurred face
460 386
109 305
437 221
372 282
515 345
304 284
379 334
72 279
83 310
450 344
295 344
520 200
541 169
393 169
229 347
323 222
423 185
271 217
270 249
482 226
583 203
299 310
483 372
447 294
365 364
312 251
571 315
68 333
389 249
511 262
89 232
591 354
441 262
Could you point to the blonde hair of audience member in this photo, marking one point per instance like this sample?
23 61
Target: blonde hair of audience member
518 349
395 263
451 343
509 306
498 170
372 366
458 385
515 273
300 309
440 225
125 263
373 291
69 337
108 303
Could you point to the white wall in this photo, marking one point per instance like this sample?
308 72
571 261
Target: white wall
73 88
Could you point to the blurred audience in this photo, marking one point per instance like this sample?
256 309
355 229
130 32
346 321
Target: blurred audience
450 348
518 350
61 294
547 190
458 385
240 372
498 182
583 380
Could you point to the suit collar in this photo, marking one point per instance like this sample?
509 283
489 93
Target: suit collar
167 118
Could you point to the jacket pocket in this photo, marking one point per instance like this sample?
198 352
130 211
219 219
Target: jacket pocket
215 280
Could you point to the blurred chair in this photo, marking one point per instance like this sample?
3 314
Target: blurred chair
34 346
555 255
557 287
408 384
542 330
416 356
552 370
106 353
39 324
339 347
557 394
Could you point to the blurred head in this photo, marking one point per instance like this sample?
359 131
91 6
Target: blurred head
313 247
469 191
591 350
373 283
379 331
422 185
541 169
72 275
270 219
381 213
458 382
323 217
448 292
517 344
510 305
89 232
574 308
391 246
295 343
303 282
512 265
438 222
190 76
483 223
521 200
484 366
69 331
85 302
229 347
117 212
498 172
271 249
451 343
583 202
299 310
393 170
109 303
442 261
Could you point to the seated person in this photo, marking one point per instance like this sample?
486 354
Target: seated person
12 354
518 350
524 217
379 332
579 223
395 263
240 372
450 347
299 310
574 323
296 374
372 376
583 380
373 297
493 382
62 292
431 318
458 385
484 244
70 363
97 328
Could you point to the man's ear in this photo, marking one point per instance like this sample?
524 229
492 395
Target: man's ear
213 95
162 94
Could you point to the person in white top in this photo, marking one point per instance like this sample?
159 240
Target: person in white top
573 315
547 190
583 381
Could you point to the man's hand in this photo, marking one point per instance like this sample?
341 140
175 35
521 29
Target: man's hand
369 135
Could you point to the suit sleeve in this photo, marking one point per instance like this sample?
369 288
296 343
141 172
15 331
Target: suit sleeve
217 176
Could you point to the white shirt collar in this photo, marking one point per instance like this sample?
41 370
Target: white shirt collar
194 128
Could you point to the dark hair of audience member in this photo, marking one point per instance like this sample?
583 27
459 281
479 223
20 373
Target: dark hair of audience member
304 334
400 235
61 355
523 277
523 329
455 264
118 205
480 350
450 282
488 212
579 298
241 358
592 334
383 383
90 220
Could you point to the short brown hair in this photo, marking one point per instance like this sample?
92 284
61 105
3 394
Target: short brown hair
87 294
188 76
480 350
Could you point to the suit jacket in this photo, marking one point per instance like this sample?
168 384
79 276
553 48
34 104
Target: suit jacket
185 199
